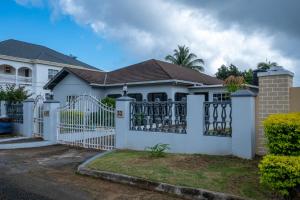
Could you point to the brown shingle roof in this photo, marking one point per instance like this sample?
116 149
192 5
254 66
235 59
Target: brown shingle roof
155 70
88 75
150 70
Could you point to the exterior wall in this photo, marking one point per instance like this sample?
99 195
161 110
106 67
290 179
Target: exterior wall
170 90
192 142
73 86
295 99
242 143
40 74
210 90
273 97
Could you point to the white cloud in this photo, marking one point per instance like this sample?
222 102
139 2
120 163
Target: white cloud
35 3
154 28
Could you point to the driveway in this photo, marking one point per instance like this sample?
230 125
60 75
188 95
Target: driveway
49 173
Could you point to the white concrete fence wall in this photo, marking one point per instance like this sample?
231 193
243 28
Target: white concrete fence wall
242 142
50 119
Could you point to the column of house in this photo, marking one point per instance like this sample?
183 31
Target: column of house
273 97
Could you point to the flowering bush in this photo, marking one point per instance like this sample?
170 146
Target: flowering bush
233 83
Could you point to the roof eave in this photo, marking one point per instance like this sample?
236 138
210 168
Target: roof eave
37 61
146 82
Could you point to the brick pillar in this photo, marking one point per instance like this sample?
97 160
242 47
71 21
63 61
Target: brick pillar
273 97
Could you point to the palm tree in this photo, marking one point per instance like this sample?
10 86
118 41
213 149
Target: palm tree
266 65
184 58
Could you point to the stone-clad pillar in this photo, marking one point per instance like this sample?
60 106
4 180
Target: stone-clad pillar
273 97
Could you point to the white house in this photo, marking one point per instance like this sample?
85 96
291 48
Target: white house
32 66
148 80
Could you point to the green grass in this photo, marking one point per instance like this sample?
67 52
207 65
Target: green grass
217 173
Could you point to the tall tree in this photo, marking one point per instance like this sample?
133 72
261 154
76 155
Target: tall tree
224 72
266 65
184 58
248 76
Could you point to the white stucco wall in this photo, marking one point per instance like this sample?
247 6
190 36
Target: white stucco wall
39 73
210 90
192 142
74 86
40 77
170 90
241 144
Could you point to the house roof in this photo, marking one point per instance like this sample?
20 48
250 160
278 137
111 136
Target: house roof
147 71
20 49
156 70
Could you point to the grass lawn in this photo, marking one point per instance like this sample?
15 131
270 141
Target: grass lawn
217 173
4 136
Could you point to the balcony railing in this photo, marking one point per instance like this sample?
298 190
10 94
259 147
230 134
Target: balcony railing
7 78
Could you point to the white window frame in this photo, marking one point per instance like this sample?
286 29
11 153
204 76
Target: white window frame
52 73
221 96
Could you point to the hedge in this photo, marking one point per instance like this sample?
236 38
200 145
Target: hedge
283 134
282 173
71 117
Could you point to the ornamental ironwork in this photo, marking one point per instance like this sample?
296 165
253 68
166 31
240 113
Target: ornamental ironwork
217 118
158 116
15 112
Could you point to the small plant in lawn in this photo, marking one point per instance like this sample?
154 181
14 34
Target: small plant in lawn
158 150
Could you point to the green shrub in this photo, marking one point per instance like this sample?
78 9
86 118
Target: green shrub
11 93
71 117
158 150
101 118
283 134
110 102
282 173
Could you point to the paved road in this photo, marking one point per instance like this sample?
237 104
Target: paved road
49 173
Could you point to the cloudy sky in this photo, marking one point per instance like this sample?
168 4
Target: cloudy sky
113 33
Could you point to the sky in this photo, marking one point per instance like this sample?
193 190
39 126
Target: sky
110 34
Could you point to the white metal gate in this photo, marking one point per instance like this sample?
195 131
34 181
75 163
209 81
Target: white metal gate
88 123
38 121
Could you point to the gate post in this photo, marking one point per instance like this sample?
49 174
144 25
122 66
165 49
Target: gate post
50 120
28 117
2 109
122 121
243 124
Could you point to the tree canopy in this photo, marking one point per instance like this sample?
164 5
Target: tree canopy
224 72
183 57
266 65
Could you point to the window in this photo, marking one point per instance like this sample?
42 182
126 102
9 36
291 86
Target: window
179 96
70 101
26 72
136 96
160 96
7 69
114 96
52 73
221 97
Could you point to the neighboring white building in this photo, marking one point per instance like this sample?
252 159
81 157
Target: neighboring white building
148 80
32 66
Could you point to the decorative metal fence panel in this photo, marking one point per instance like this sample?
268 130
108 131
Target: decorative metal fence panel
158 116
217 118
38 120
86 122
15 112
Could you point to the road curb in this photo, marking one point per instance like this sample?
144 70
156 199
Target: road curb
85 163
184 192
25 145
